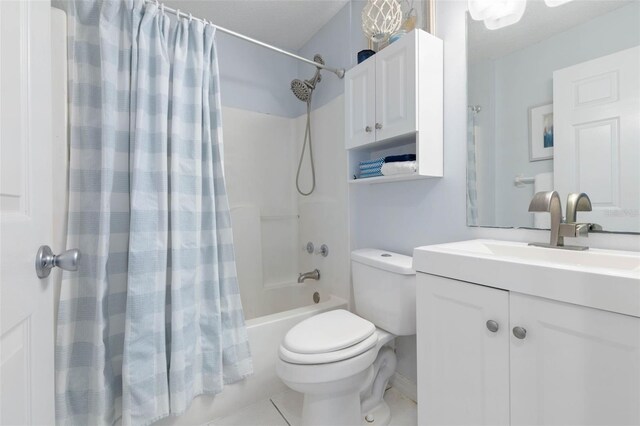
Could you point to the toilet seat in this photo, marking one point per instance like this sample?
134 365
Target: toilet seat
333 356
327 332
328 337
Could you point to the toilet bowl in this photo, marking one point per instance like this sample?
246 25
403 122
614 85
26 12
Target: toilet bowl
341 361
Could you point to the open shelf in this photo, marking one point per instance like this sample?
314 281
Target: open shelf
385 179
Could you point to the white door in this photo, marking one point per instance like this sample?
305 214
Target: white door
596 107
26 302
396 88
463 367
359 98
575 366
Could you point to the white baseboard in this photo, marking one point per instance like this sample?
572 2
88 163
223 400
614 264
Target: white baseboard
405 386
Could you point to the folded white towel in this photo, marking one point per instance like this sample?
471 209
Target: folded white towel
399 168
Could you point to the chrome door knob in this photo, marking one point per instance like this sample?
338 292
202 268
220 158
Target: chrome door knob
368 129
46 260
493 326
378 126
520 332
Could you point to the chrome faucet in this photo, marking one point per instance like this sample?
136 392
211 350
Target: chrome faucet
550 202
313 275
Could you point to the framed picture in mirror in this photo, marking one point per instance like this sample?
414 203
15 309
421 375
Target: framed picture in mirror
541 133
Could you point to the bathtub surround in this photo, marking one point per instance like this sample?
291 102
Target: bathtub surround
271 222
153 316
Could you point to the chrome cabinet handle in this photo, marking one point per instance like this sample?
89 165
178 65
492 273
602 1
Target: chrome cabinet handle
378 126
493 326
367 129
46 260
520 332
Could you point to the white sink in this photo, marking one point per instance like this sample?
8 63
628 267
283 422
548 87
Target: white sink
603 279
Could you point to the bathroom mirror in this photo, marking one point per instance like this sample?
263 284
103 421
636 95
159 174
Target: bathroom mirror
554 103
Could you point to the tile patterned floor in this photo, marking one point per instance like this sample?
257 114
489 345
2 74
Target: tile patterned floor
284 409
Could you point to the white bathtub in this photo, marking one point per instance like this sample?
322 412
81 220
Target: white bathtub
265 335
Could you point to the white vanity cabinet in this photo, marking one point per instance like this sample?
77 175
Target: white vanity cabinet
394 99
546 363
463 368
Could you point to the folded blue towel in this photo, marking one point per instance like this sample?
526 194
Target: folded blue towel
371 168
370 174
374 161
398 158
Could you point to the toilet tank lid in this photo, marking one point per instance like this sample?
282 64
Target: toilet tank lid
385 260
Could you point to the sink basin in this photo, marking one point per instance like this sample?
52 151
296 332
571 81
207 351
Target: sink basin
603 279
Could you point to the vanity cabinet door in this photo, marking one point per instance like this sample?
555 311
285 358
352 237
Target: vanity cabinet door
396 87
575 365
360 104
463 367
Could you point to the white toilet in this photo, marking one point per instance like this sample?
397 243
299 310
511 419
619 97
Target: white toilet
342 362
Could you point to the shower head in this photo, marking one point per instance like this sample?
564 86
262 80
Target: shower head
304 89
301 89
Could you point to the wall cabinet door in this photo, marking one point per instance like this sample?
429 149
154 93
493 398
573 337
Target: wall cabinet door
396 87
576 365
463 367
360 93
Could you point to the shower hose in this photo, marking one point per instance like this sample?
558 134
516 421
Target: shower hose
307 140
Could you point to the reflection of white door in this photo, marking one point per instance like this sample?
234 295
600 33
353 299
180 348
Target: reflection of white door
26 303
597 137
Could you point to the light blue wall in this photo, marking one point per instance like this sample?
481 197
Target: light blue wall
338 42
254 78
257 79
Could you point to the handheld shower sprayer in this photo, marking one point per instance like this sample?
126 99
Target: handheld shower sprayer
303 91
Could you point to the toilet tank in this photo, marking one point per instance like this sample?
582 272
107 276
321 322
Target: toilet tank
384 289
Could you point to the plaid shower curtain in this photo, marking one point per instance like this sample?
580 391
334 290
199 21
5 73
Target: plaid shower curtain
153 316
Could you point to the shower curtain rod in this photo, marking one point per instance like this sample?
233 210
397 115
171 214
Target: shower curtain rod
337 71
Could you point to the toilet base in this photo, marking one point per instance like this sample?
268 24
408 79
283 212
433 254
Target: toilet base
380 415
335 403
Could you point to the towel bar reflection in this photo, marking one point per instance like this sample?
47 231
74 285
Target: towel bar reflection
521 181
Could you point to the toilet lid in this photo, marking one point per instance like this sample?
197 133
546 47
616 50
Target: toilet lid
327 332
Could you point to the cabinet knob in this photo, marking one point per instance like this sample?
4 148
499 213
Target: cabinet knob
367 129
520 332
492 326
378 126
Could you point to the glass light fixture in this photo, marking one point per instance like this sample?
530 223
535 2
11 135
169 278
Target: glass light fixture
381 18
498 13
511 14
554 3
483 9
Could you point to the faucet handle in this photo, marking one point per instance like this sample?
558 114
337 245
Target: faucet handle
577 202
541 201
580 201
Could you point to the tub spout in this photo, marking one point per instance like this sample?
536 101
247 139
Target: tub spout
313 275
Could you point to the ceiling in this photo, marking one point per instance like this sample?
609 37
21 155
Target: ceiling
286 24
538 23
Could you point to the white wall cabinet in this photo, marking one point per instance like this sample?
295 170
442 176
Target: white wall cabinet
568 364
394 103
360 92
